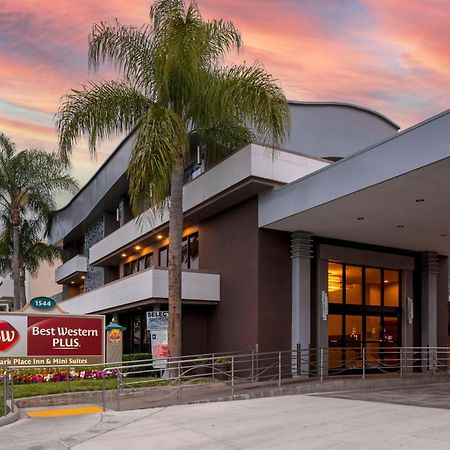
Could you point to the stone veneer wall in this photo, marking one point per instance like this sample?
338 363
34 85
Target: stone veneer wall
95 276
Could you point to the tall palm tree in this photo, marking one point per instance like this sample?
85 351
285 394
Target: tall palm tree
174 90
32 248
29 181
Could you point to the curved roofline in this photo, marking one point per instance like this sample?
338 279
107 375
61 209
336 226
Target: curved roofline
290 102
347 105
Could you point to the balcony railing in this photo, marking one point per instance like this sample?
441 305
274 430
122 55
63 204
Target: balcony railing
196 286
72 268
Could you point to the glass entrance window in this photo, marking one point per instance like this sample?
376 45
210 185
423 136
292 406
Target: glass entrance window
391 288
353 285
364 312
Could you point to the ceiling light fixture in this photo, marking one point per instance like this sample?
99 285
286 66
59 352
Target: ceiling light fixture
159 236
83 277
124 255
138 247
72 282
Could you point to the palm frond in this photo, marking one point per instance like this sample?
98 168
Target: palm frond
161 141
98 111
129 49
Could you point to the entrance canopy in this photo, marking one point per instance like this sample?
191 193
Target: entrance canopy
395 193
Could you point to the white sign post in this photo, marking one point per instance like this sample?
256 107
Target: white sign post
157 325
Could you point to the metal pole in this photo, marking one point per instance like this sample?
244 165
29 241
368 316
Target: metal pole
5 391
364 363
299 358
11 375
321 365
104 389
253 365
401 361
118 389
179 380
213 365
232 375
67 376
279 370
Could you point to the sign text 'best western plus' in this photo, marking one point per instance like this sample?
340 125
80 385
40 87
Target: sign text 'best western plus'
44 339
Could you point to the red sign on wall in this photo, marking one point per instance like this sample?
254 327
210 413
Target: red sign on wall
67 336
47 339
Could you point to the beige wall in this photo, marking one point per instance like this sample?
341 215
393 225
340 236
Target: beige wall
43 284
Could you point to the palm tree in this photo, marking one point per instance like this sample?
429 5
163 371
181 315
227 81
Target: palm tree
174 91
33 249
29 181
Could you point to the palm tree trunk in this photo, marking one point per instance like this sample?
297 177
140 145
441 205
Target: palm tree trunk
175 237
16 258
22 295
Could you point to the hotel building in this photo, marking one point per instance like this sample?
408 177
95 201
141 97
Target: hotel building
338 239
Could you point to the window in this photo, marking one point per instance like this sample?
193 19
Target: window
163 256
364 312
189 253
142 263
149 260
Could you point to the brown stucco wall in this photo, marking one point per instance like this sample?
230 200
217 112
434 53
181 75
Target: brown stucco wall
275 291
255 278
229 245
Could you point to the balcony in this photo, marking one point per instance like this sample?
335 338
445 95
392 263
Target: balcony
253 164
147 286
71 269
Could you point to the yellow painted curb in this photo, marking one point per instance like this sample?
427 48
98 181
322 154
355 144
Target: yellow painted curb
64 412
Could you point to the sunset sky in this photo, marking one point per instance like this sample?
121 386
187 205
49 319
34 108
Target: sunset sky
389 55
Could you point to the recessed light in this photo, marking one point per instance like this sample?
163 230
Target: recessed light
444 235
420 200
360 218
386 281
83 277
72 282
124 255
137 247
159 236
400 226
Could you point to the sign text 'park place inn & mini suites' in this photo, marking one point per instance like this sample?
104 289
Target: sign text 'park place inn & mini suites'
44 339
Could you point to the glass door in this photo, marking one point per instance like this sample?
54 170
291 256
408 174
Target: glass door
364 312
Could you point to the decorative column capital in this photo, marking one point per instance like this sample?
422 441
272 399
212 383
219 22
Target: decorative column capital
301 245
429 262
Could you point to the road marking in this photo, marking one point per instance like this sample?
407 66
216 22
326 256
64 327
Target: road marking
64 412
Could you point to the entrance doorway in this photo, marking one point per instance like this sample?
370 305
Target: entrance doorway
364 312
